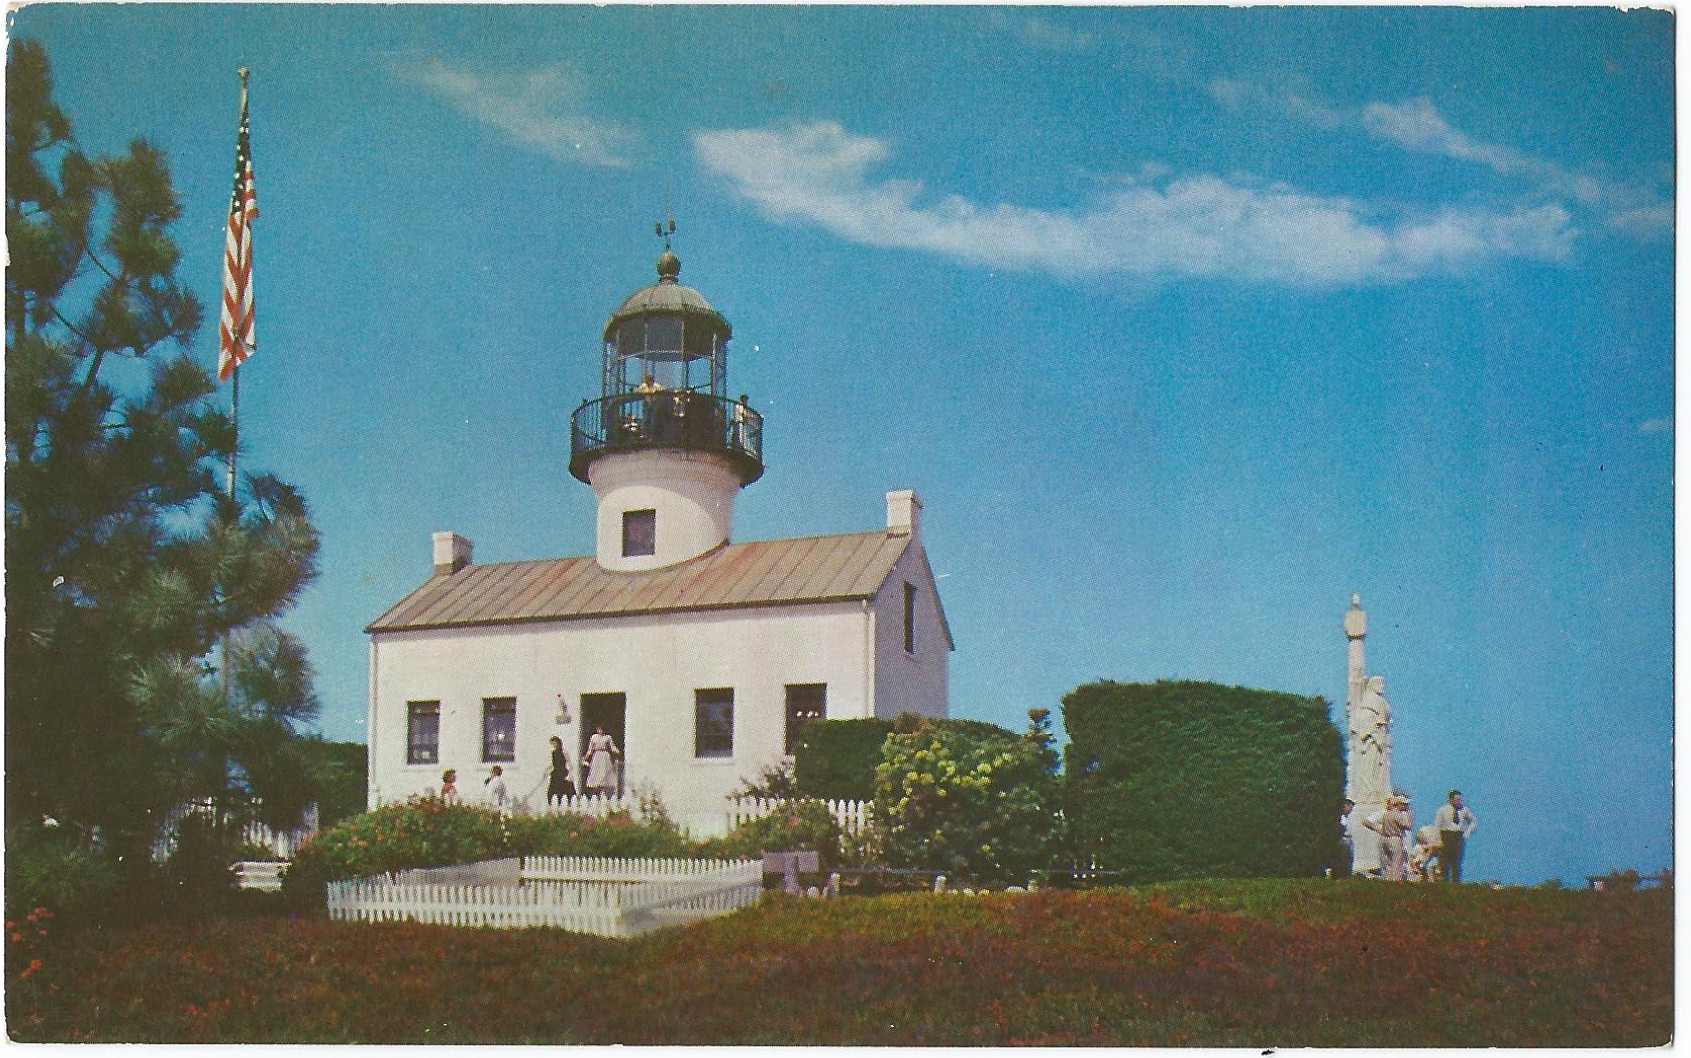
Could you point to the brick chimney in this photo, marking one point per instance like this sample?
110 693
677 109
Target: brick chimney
451 552
904 513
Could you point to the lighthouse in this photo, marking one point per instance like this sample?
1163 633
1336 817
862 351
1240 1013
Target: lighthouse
663 445
704 659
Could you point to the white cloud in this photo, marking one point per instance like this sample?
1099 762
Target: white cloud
1043 33
1286 98
540 109
1655 427
1144 226
1654 221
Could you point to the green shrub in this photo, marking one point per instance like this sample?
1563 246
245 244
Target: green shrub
58 870
618 834
835 760
796 825
426 832
970 798
1189 780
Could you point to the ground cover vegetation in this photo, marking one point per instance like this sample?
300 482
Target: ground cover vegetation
144 667
1260 963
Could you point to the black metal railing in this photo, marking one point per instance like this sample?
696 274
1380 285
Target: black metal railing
667 419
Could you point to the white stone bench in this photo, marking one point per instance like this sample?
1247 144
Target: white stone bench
263 875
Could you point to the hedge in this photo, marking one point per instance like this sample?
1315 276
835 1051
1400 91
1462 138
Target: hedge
835 759
1189 780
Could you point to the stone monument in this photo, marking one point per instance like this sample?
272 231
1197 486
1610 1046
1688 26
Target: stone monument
1368 762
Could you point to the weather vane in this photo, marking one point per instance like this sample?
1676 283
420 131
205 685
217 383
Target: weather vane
658 228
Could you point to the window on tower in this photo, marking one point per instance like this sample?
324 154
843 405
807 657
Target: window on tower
639 533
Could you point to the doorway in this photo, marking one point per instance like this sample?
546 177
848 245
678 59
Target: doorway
609 711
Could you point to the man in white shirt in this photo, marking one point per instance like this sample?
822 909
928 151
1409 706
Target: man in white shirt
1455 822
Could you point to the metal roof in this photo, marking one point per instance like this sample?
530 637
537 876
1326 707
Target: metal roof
808 569
667 295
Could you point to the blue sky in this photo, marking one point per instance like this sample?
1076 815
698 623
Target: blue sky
1186 323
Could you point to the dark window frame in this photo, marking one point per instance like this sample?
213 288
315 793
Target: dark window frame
490 708
715 741
909 618
414 712
801 712
640 533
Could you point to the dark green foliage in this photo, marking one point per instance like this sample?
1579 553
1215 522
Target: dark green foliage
835 759
797 825
969 798
55 868
428 832
342 770
126 564
1188 780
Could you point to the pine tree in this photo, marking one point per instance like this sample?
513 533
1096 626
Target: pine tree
126 565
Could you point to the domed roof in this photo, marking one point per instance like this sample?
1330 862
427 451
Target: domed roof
666 295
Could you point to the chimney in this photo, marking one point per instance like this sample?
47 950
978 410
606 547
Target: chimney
451 552
904 513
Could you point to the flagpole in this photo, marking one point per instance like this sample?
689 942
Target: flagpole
235 377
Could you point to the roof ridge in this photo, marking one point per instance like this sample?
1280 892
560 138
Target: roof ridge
718 549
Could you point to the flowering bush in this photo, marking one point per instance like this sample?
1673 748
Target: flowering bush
969 798
426 832
801 824
618 834
429 832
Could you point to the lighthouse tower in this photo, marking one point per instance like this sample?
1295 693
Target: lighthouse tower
663 445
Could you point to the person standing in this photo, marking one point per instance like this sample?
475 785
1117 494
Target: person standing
1455 822
449 785
494 790
601 764
1347 844
560 786
1392 824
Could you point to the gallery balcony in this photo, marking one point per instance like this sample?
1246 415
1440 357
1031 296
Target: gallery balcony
694 422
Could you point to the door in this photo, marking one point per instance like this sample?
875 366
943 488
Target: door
609 711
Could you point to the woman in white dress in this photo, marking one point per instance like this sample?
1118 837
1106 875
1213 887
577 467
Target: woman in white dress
600 761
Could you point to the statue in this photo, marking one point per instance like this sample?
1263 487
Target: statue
1370 734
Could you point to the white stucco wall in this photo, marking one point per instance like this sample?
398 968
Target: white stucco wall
658 662
692 494
916 681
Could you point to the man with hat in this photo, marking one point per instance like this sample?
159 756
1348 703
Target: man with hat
1392 824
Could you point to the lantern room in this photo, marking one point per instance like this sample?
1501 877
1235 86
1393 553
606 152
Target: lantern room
664 382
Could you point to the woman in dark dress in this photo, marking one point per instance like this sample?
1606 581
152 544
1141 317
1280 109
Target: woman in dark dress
561 785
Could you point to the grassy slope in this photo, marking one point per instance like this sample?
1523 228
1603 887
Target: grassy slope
1222 964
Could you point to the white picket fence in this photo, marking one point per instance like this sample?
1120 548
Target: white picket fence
605 897
596 807
852 816
282 843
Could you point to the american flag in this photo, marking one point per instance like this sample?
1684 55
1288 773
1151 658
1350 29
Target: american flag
235 336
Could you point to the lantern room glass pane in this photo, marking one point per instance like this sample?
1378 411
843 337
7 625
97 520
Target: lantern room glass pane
663 337
701 342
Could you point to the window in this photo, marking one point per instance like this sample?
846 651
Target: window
422 737
909 618
713 723
806 704
498 729
639 533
